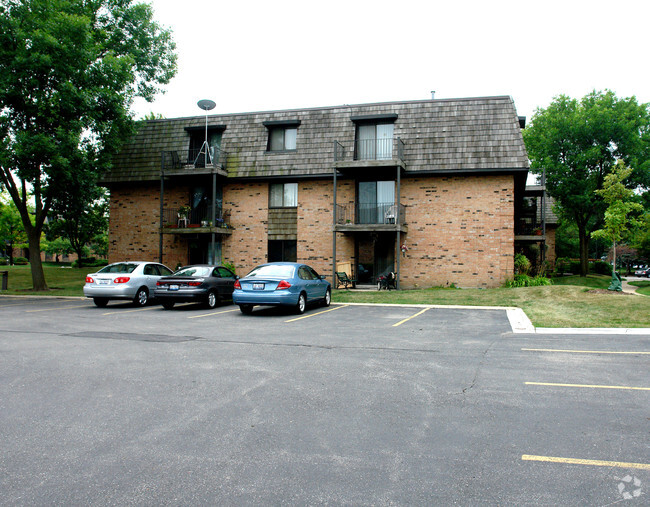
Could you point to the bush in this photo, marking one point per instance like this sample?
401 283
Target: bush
522 264
90 262
20 261
601 268
527 281
230 266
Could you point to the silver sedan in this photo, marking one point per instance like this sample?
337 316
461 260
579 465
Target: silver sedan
133 281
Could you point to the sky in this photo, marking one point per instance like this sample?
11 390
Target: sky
252 55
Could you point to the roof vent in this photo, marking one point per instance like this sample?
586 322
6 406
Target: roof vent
433 94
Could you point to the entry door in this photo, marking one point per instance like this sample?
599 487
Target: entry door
384 254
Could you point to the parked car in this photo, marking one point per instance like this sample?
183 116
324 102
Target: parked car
281 284
125 280
643 272
200 283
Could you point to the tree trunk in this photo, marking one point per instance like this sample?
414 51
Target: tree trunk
38 275
584 251
614 256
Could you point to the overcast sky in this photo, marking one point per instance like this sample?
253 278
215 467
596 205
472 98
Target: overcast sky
251 55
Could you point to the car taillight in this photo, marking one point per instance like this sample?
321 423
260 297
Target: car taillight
237 284
121 279
89 279
158 284
194 284
283 285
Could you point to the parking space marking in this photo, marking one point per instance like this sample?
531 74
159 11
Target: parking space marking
409 318
318 313
551 384
212 313
586 351
591 462
57 308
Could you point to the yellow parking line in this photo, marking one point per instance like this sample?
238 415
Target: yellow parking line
314 314
57 308
585 351
213 313
592 462
409 318
586 386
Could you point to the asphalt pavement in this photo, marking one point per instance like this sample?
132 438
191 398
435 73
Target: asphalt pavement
351 404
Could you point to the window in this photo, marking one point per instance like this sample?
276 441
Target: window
374 142
376 202
283 195
282 139
283 250
282 135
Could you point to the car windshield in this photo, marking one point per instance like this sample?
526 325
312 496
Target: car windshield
194 271
271 271
120 267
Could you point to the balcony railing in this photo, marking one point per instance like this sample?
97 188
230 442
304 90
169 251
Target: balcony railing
370 149
198 217
194 159
529 226
379 213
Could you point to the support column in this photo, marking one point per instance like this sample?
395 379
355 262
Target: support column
334 229
162 193
398 244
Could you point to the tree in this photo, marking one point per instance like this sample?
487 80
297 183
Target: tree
81 216
621 206
12 232
69 71
577 143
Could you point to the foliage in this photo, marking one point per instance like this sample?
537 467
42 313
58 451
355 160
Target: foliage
522 264
566 265
57 246
527 281
230 266
89 262
601 268
577 143
621 206
20 261
12 232
640 237
69 71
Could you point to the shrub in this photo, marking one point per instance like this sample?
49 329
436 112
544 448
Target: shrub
601 268
522 264
230 266
527 281
20 261
90 262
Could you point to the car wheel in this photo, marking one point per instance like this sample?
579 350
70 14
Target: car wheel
168 305
328 297
246 309
213 299
302 304
100 302
141 297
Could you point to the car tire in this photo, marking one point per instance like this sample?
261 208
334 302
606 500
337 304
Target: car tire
141 297
100 302
301 305
328 297
168 305
213 299
246 309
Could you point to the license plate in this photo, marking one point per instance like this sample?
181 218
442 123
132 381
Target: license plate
103 282
258 286
173 287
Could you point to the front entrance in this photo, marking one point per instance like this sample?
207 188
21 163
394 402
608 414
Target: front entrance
201 251
376 254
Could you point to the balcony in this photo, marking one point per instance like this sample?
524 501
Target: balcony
370 217
529 228
194 161
198 220
369 153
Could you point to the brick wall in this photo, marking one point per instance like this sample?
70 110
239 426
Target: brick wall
460 231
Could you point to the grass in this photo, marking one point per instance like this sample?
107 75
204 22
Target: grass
567 303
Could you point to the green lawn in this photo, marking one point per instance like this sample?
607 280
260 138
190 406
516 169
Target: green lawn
643 286
567 303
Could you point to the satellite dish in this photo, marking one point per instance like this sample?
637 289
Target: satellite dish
206 104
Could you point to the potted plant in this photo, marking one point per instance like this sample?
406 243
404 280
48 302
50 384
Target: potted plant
184 211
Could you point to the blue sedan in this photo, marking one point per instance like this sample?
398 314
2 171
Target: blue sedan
281 284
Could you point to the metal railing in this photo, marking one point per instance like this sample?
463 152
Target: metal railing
376 213
529 226
197 217
370 149
194 159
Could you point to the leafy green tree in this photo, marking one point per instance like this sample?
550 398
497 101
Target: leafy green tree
12 232
577 143
69 71
621 206
80 217
56 247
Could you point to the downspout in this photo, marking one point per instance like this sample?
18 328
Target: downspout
212 257
399 225
162 193
334 225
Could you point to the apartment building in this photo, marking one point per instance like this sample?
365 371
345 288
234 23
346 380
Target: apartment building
432 190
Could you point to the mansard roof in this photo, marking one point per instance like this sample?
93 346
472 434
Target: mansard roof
443 136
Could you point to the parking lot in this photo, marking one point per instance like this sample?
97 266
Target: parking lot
351 404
